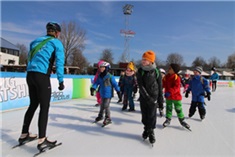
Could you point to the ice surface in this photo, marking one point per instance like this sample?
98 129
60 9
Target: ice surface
70 122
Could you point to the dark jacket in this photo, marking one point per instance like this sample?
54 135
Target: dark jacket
150 86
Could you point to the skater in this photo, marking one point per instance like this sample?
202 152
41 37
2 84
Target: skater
171 84
214 78
129 85
43 52
105 81
150 89
185 82
122 75
198 86
98 98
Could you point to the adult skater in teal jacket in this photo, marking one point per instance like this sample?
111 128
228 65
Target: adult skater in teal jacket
214 78
43 52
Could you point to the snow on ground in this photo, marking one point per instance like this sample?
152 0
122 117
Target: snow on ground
70 122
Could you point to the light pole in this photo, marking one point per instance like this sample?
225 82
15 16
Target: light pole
127 10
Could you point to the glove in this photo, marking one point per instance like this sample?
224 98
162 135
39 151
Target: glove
119 95
92 90
167 95
61 86
208 94
186 94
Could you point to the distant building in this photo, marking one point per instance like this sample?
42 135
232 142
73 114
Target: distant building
9 54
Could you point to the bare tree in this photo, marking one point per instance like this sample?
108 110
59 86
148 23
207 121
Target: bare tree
23 53
214 62
199 61
79 60
107 56
175 58
231 61
73 38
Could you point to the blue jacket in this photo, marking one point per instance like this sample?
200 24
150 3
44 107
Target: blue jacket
214 77
198 85
43 60
105 85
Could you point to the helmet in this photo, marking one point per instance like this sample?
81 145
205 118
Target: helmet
105 64
54 26
162 71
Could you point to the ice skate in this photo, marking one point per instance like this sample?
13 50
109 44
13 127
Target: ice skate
145 134
29 137
97 119
46 145
107 121
152 137
167 122
184 124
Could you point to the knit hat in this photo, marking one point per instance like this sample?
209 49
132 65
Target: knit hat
131 65
198 69
175 67
149 55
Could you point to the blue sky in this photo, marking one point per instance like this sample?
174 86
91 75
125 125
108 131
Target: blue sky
191 29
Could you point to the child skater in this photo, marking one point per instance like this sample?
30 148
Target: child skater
185 81
172 84
105 81
198 86
129 85
150 89
98 98
122 75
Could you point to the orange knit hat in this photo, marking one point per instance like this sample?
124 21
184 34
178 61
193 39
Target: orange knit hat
149 55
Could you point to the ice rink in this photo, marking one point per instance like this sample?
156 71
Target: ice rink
70 122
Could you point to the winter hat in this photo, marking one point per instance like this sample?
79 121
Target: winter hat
131 65
99 63
198 69
149 55
175 67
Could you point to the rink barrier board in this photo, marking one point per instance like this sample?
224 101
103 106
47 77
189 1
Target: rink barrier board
14 90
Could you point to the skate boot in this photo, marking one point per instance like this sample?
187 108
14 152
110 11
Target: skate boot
184 124
151 136
46 145
124 107
26 139
145 134
99 118
167 122
107 121
202 117
120 100
131 110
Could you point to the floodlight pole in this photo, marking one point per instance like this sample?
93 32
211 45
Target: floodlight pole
127 10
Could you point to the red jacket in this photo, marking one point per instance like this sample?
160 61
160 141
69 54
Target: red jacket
172 84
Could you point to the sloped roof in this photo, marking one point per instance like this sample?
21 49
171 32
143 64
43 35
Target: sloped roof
8 45
225 73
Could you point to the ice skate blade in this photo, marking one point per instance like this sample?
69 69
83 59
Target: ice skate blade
47 149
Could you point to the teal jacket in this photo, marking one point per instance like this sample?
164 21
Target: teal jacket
43 60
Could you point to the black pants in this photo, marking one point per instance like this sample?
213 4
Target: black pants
149 115
200 106
39 93
214 83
